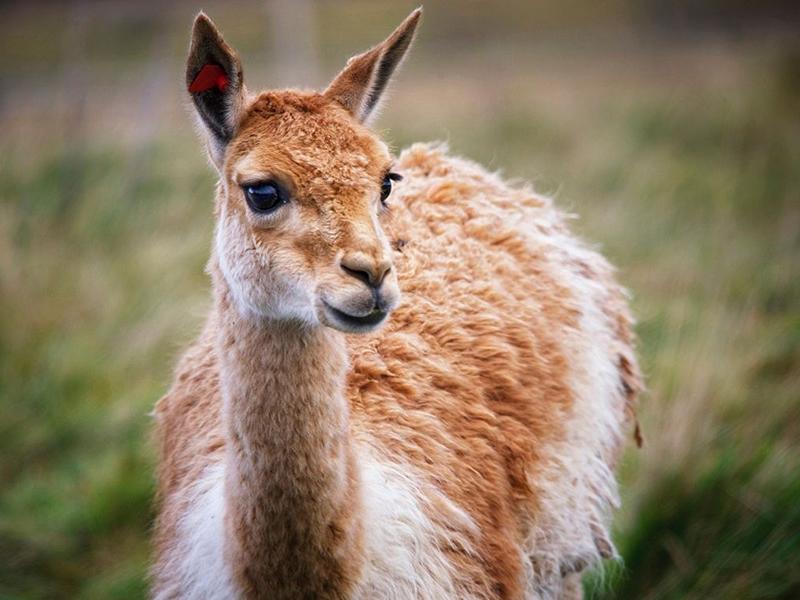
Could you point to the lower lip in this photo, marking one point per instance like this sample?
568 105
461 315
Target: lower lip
370 320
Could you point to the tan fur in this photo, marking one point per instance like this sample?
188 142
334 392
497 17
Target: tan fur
470 385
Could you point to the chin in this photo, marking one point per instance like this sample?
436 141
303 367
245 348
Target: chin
346 322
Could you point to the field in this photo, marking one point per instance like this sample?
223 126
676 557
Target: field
679 151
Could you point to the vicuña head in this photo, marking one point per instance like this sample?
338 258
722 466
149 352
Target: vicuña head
303 183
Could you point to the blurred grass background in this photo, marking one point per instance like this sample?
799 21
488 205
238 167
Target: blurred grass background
671 128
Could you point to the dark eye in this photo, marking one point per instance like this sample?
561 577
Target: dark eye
386 186
264 197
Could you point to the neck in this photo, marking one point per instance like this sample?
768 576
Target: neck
291 491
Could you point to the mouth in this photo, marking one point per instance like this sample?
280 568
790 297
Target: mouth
355 323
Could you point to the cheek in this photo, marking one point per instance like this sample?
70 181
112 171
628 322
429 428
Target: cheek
264 270
239 261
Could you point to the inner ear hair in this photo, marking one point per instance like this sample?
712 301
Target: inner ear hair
363 81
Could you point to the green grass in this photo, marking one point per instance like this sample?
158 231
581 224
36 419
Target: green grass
683 163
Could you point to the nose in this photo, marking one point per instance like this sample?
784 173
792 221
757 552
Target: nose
371 272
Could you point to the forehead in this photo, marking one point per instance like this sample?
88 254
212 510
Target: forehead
309 138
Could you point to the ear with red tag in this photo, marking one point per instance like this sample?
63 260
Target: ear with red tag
214 81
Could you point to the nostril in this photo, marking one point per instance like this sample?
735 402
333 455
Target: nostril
371 273
384 271
360 274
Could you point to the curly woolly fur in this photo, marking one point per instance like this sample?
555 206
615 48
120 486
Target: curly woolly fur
466 449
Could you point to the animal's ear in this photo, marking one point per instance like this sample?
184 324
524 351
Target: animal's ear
214 81
364 79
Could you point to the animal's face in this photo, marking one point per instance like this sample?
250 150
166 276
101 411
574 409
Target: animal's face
303 185
299 231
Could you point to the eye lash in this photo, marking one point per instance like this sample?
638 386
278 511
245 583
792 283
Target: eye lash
394 176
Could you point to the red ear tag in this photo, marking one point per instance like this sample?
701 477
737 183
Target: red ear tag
209 76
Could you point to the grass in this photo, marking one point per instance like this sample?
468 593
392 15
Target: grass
681 157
